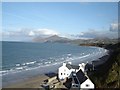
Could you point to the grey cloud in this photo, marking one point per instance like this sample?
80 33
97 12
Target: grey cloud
28 33
92 33
114 27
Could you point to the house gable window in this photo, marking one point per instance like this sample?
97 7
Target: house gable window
87 85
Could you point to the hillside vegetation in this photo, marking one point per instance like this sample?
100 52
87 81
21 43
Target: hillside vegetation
108 74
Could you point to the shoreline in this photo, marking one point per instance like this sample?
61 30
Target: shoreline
37 81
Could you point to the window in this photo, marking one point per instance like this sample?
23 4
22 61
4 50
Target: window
87 85
61 73
64 73
73 85
76 85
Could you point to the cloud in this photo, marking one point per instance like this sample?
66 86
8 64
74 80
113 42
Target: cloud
31 33
4 33
24 33
93 33
46 32
114 27
81 33
42 32
111 32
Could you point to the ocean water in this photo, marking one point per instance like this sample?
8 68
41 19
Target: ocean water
21 60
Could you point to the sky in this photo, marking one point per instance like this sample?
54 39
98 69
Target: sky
22 21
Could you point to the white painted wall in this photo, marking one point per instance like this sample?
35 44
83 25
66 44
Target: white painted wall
89 83
82 67
65 72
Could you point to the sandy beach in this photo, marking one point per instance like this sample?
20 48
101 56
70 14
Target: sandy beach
34 82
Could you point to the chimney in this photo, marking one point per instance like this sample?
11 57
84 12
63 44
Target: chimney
64 64
80 65
69 62
83 64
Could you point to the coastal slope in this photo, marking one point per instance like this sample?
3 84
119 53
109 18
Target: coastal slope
108 74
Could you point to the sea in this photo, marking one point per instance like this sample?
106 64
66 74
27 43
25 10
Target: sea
23 60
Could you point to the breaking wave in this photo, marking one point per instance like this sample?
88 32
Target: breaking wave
79 57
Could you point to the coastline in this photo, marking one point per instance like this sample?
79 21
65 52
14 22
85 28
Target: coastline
36 82
107 74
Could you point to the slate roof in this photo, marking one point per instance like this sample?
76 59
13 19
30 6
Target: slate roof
69 66
81 76
74 79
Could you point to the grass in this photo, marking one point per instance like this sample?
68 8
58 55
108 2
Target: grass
108 74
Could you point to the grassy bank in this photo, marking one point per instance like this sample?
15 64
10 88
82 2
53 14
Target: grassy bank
108 74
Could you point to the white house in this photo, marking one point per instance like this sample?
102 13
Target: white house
82 66
77 73
65 70
87 84
81 81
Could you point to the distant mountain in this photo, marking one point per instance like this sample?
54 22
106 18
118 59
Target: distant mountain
53 38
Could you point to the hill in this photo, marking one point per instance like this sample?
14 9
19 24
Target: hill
108 74
93 42
53 38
